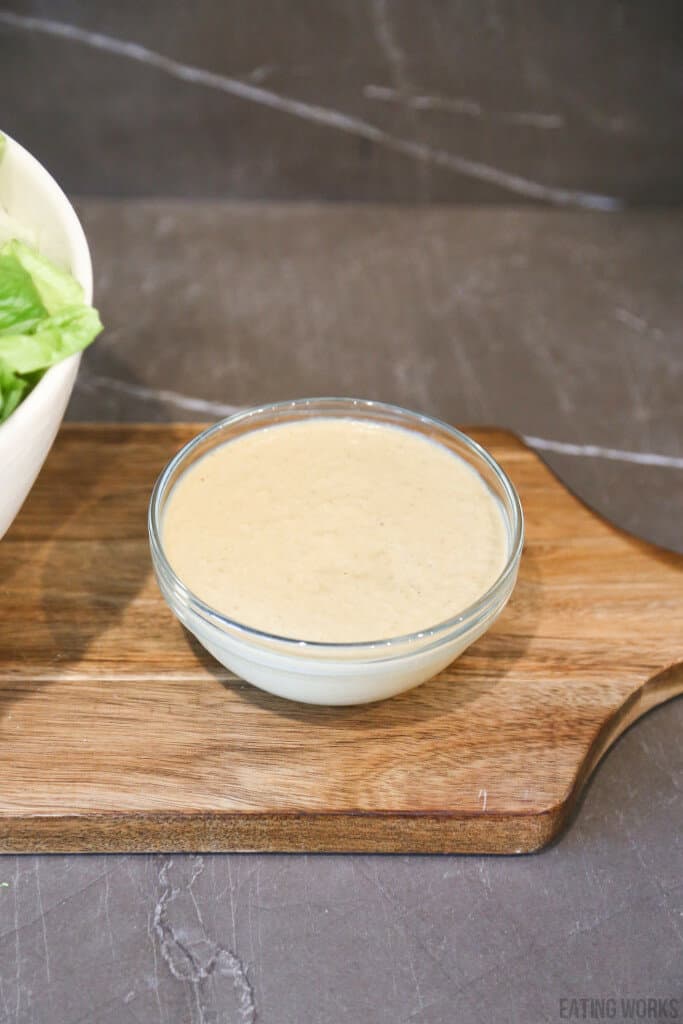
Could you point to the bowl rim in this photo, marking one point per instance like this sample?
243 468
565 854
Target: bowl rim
441 632
58 376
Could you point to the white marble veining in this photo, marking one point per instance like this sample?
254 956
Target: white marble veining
190 955
463 105
87 382
90 382
596 451
325 116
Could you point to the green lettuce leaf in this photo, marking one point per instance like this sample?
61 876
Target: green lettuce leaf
43 319
51 340
20 303
55 288
12 389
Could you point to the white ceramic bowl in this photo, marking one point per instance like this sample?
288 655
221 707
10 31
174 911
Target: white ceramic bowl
328 673
32 197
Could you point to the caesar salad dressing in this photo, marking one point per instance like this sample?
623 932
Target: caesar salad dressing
334 530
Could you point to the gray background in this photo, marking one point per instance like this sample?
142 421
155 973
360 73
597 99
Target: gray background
564 325
435 100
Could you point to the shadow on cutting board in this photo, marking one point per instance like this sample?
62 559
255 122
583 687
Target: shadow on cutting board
73 561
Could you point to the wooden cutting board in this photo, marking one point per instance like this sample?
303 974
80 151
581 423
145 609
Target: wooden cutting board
117 732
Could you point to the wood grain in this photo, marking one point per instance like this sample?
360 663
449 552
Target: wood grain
117 732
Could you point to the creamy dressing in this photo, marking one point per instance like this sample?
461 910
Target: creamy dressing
334 530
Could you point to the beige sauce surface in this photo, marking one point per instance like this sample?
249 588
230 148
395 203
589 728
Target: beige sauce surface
334 530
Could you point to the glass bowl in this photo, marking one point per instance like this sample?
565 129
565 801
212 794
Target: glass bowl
336 673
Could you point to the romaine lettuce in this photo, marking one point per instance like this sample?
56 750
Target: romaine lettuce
43 319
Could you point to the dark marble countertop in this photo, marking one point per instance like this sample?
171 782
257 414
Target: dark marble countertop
565 327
